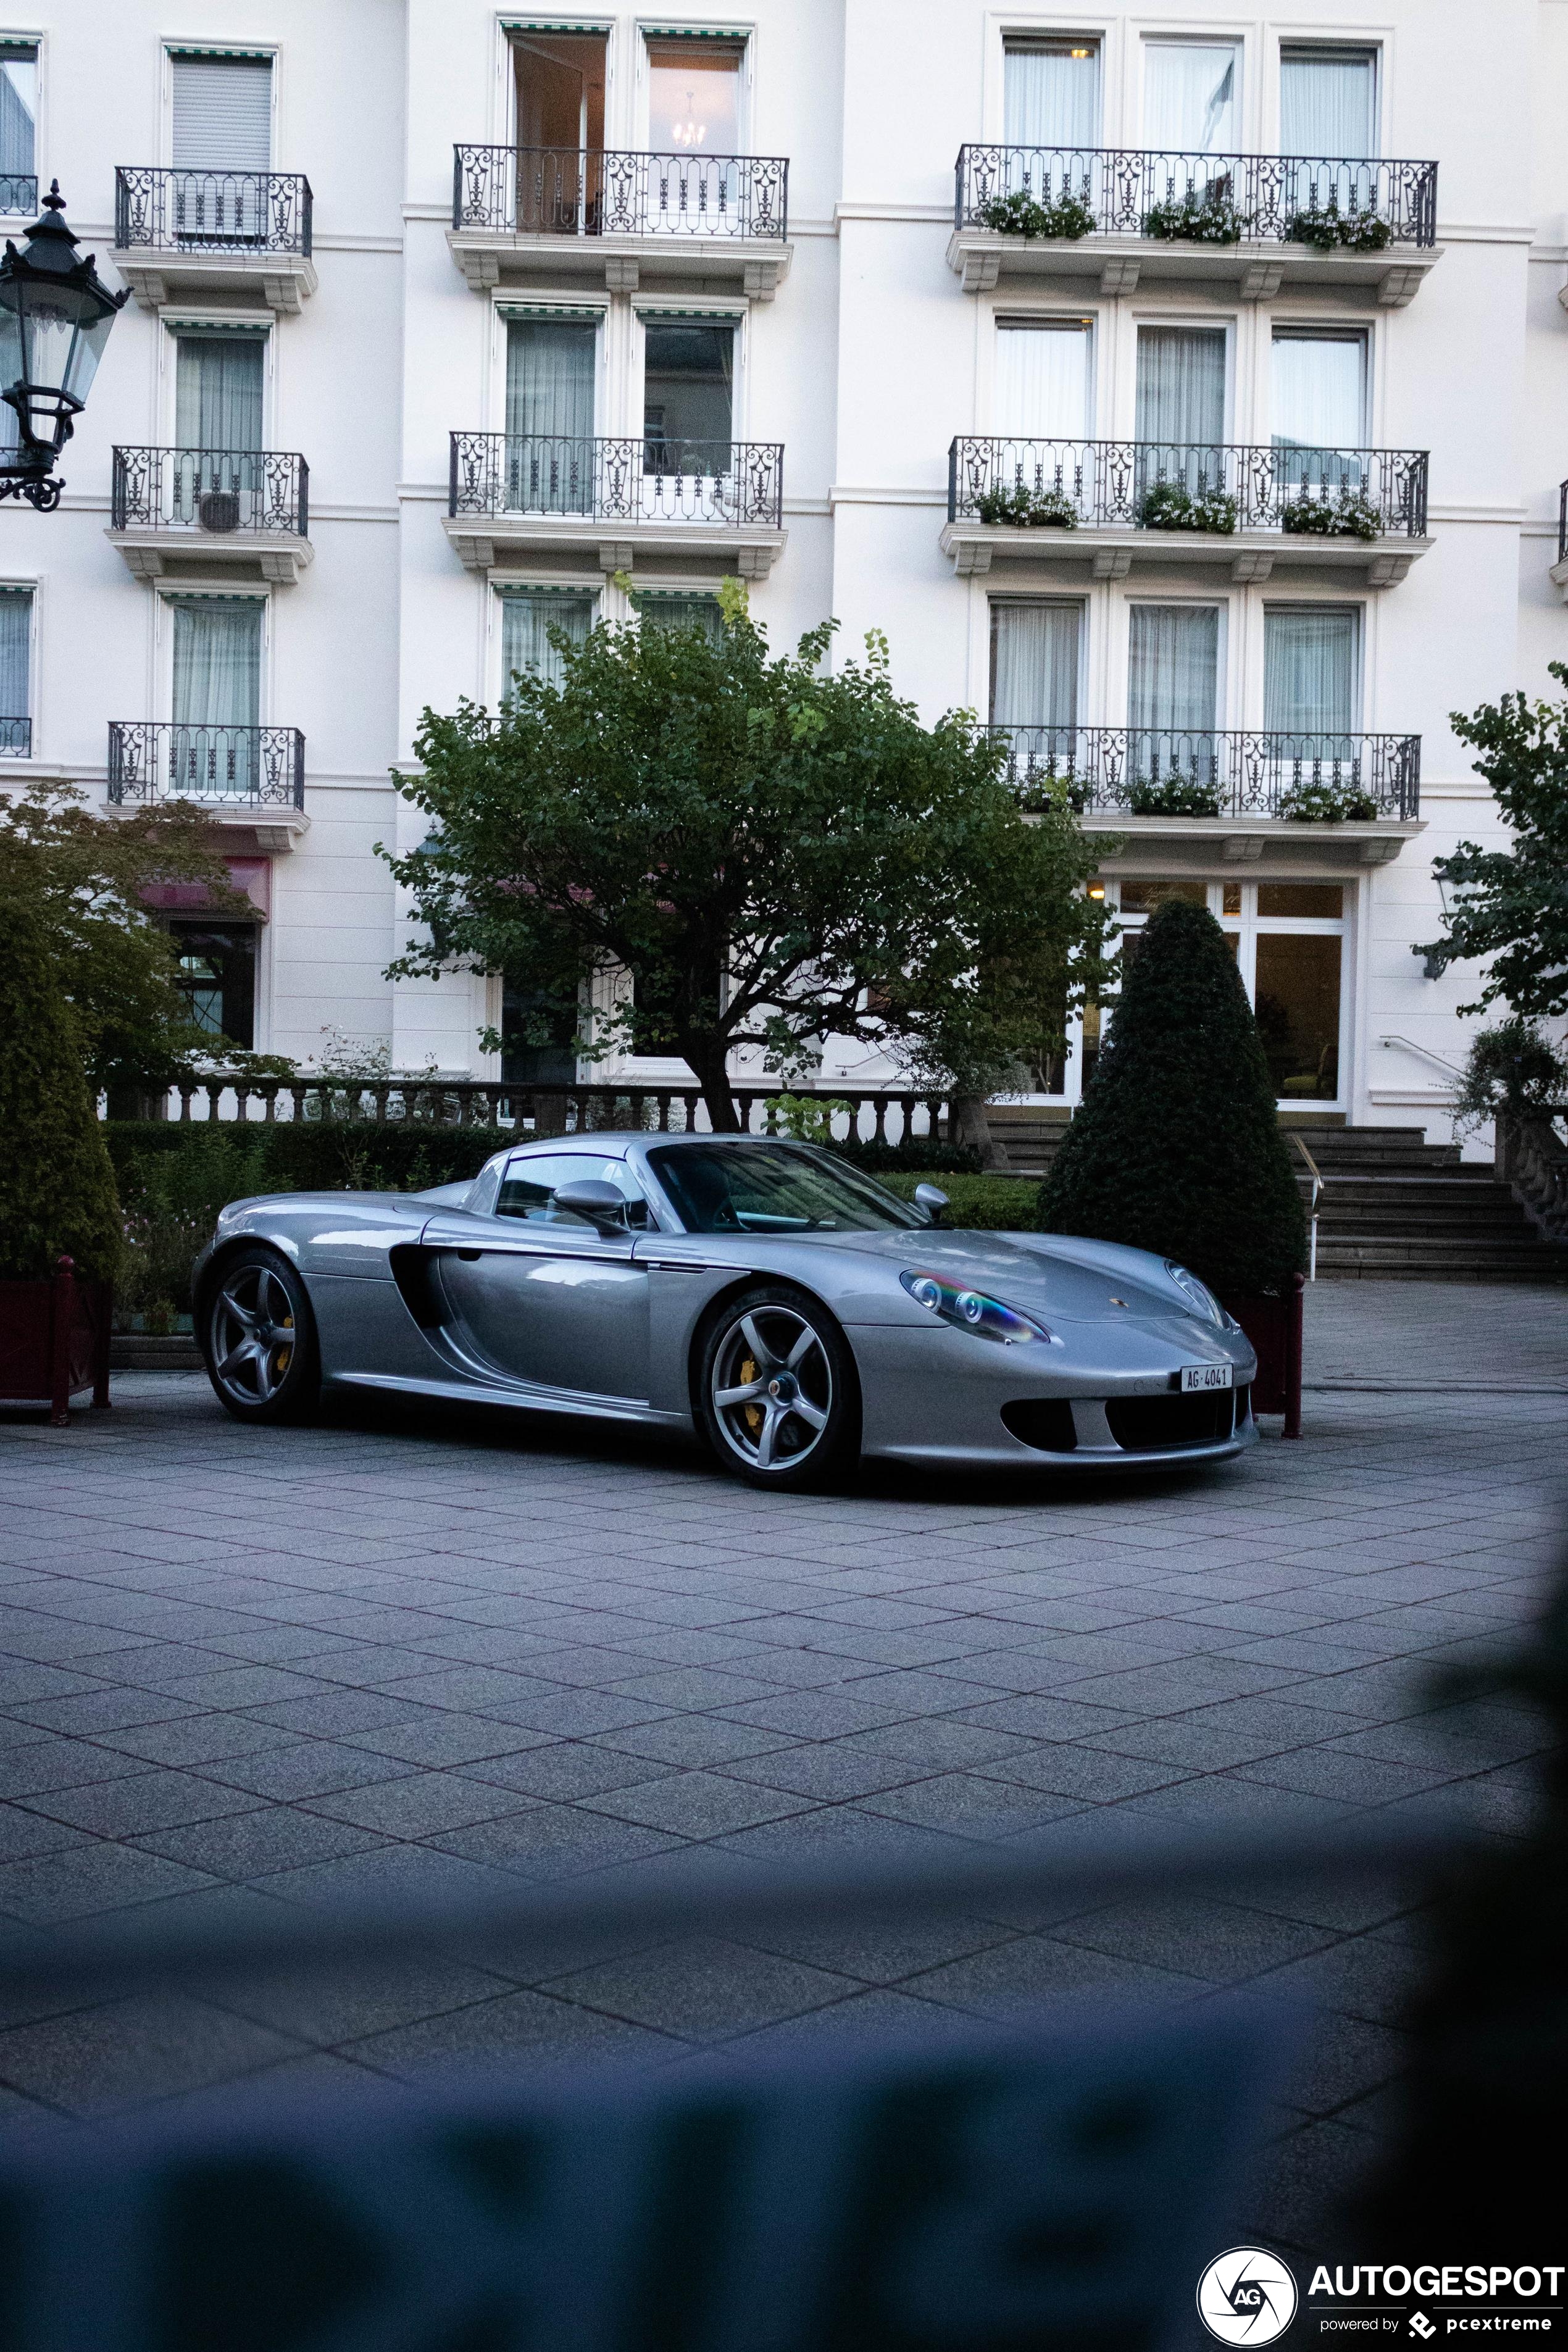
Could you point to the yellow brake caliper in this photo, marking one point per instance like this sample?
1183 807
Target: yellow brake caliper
752 1414
285 1355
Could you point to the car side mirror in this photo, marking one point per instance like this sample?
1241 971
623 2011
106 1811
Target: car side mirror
932 1201
598 1202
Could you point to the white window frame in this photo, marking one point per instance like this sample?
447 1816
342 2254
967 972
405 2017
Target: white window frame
732 313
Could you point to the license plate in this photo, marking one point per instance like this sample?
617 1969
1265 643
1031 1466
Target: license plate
1207 1376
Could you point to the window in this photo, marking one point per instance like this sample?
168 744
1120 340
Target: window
1328 103
1172 692
538 1040
1043 379
15 672
215 753
558 81
689 370
1190 95
19 126
1311 666
528 616
528 1187
666 609
694 97
1319 406
218 978
550 364
1050 93
223 114
1036 663
1181 385
217 425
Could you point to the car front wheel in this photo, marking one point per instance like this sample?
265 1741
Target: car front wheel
777 1395
258 1337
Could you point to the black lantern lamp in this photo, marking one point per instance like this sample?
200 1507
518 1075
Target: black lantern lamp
54 317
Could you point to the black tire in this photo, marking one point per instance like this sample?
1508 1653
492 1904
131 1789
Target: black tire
258 1337
798 1425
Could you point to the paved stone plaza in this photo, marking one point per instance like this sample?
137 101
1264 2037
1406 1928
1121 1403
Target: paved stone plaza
405 1649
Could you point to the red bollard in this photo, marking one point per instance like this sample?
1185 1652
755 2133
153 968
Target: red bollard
62 1305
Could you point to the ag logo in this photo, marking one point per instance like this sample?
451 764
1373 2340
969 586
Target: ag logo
1246 2296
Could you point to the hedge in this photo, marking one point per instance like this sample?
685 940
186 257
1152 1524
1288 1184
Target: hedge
988 1204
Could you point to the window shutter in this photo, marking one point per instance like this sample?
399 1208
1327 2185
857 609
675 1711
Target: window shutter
223 114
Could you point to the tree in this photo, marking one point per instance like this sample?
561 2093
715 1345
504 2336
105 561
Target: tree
1176 1148
56 1188
1511 905
83 875
772 852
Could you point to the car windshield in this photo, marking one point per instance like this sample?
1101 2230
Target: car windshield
773 1188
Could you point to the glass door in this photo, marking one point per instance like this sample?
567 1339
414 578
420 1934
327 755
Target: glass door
551 366
1190 98
1311 679
217 697
1043 379
222 145
1328 103
1037 662
688 397
1172 697
217 478
1319 399
559 84
529 617
694 115
18 122
1180 417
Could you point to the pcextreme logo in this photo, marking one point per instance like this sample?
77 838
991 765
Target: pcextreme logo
1246 2296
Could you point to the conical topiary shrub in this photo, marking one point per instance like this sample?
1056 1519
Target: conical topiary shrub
57 1187
1176 1148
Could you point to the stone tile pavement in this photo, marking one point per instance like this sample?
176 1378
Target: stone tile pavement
413 1650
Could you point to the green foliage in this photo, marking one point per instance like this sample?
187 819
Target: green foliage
987 1204
922 1152
1016 504
1177 1147
1209 218
1513 1069
1358 230
1512 904
806 1118
1349 514
56 1188
1023 215
1168 505
1319 804
772 852
83 875
1172 796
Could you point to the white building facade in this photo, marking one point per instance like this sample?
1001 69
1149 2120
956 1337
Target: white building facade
1219 491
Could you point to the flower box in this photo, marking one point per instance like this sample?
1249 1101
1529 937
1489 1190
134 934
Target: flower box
54 1342
1273 1324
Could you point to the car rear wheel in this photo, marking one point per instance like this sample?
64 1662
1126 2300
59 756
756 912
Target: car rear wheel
776 1392
258 1337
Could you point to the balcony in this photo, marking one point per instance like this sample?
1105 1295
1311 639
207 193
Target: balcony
19 193
244 513
1109 504
620 219
1251 223
248 780
618 502
240 234
15 739
1558 574
1237 793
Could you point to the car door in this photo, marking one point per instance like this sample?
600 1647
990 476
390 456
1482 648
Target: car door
541 1295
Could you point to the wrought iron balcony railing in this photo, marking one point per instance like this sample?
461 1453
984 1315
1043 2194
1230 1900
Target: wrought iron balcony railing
651 479
1562 521
213 491
574 192
1216 772
1358 204
1191 486
211 212
15 739
18 192
176 759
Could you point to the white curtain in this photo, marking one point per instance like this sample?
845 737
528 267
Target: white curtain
217 391
18 112
1310 666
1034 665
549 376
16 632
526 621
217 663
1189 96
1327 103
683 612
1173 668
1051 94
1042 382
1318 391
1181 384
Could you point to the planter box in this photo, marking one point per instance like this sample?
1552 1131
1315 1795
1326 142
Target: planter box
1274 1326
54 1342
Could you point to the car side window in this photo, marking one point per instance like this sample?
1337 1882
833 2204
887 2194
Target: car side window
532 1180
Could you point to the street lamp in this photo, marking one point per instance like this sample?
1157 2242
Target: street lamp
54 317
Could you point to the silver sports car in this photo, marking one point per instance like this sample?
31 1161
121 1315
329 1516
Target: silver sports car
760 1293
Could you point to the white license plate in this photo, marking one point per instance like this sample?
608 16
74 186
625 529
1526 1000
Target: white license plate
1207 1376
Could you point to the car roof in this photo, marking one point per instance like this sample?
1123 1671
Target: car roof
608 1141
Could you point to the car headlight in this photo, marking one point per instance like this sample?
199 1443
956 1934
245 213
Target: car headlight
972 1310
1202 1296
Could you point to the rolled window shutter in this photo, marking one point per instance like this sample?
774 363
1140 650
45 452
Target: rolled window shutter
223 114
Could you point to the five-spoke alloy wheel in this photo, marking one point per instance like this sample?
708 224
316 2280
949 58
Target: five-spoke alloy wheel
777 1395
259 1338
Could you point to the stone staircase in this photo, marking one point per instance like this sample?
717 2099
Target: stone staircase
1393 1207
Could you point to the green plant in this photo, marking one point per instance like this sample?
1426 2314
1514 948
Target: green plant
1177 1147
806 1118
987 1204
1320 803
1172 796
771 850
170 1202
1362 229
1512 1068
1023 215
1205 218
1348 514
1169 505
1016 504
57 1187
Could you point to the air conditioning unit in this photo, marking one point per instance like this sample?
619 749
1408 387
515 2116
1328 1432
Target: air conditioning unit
218 509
